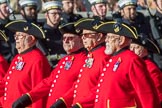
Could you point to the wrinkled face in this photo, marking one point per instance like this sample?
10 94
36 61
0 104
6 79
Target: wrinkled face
89 39
4 11
71 42
129 12
30 12
53 16
68 6
22 41
112 42
137 49
99 9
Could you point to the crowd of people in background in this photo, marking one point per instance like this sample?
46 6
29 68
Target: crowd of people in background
84 5
67 60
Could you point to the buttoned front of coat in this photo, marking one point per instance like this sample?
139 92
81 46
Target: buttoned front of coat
125 80
25 71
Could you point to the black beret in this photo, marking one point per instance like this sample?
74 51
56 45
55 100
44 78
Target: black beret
119 28
69 28
149 44
3 37
88 24
26 27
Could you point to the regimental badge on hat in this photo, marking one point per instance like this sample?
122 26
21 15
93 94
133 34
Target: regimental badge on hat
3 36
26 27
56 4
119 28
69 28
3 1
123 3
88 24
149 44
93 2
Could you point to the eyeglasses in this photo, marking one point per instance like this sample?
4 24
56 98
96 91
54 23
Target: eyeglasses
20 36
112 37
68 38
89 35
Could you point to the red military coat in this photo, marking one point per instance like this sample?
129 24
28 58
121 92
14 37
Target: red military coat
124 78
83 91
25 71
156 75
3 67
60 80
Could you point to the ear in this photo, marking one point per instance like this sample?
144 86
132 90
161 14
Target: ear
92 8
99 37
122 40
46 15
22 12
31 39
122 12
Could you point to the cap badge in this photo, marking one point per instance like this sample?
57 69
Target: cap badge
26 28
117 27
95 23
77 30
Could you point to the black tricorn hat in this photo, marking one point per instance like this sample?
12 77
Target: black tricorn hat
69 28
26 27
119 28
149 44
3 36
88 24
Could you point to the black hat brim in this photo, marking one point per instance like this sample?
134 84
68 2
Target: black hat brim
26 27
88 24
3 36
69 28
148 44
118 28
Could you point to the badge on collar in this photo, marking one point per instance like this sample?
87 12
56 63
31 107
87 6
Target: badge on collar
69 63
89 61
20 65
116 65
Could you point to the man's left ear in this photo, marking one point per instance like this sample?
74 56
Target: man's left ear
31 39
122 40
99 37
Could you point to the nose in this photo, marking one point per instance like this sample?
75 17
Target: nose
131 48
83 37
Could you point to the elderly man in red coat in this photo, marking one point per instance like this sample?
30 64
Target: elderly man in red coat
3 63
28 67
82 94
65 73
143 47
124 80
